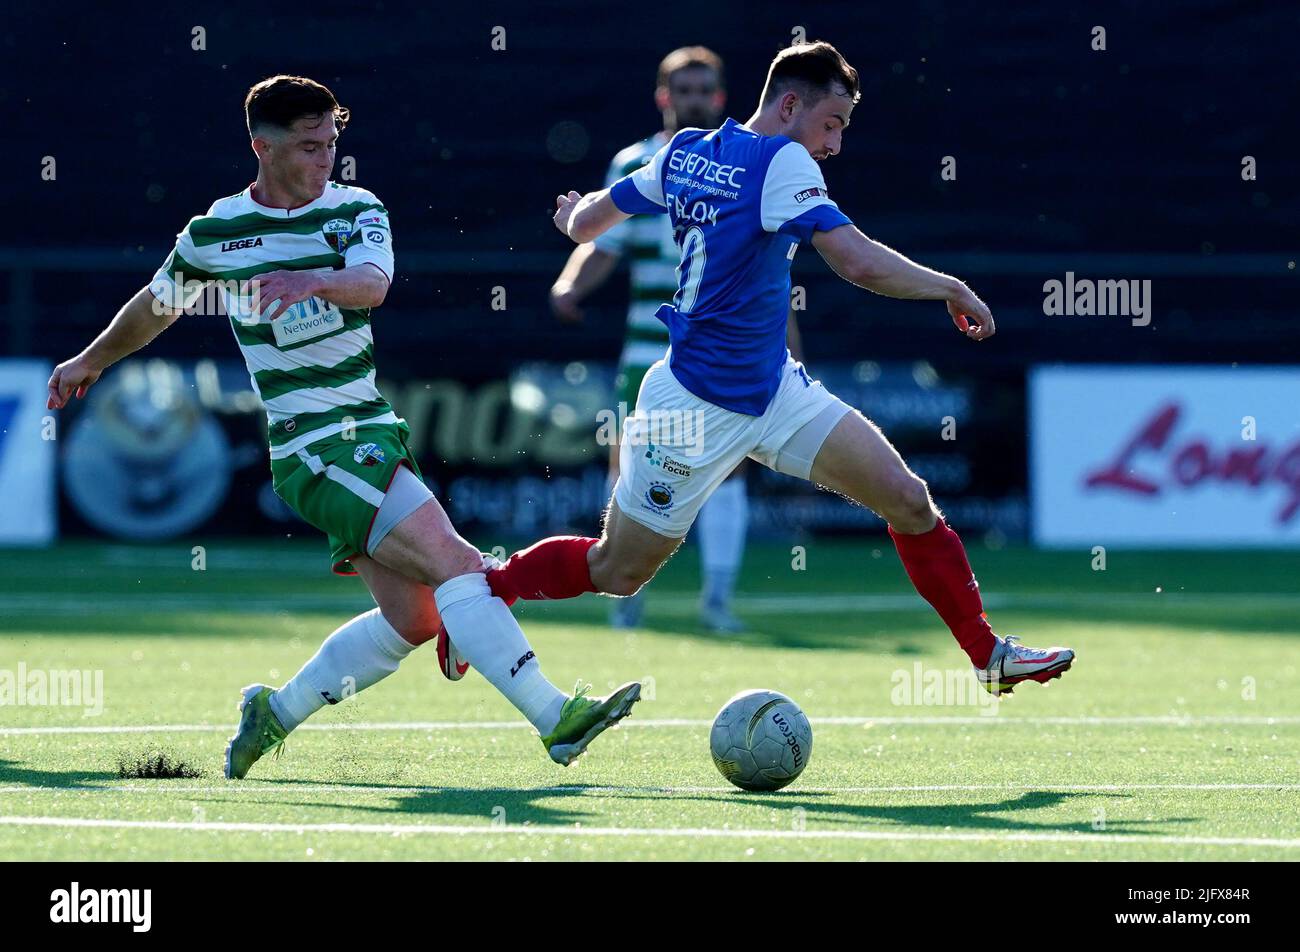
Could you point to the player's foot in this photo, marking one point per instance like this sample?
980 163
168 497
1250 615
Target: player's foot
719 620
583 719
450 662
1013 662
626 612
259 732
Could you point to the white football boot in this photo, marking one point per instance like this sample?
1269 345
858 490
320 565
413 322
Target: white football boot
1012 662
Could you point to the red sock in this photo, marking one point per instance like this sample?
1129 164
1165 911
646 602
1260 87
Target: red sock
553 568
936 563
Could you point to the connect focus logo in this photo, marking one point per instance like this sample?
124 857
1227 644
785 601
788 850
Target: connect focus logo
73 905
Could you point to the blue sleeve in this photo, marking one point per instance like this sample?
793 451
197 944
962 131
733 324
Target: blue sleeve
820 218
629 199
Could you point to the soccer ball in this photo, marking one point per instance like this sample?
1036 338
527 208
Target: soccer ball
760 740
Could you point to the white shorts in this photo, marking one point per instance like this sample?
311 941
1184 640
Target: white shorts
677 448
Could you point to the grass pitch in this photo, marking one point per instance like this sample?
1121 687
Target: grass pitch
1175 736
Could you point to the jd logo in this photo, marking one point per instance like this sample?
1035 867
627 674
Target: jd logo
519 665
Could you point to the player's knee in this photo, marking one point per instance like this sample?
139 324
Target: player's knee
624 583
456 557
612 578
910 507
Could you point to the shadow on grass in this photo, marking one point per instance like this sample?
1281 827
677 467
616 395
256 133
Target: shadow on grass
985 816
13 775
800 809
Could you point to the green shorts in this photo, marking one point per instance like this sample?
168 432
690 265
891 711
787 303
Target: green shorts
337 485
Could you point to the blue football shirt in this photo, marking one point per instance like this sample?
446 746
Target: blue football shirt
740 204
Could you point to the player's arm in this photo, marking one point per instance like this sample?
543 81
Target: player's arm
587 269
359 286
139 321
586 217
362 283
876 267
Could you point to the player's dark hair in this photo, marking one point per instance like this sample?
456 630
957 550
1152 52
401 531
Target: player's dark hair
279 101
687 57
813 70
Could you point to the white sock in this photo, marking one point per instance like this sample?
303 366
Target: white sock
359 653
723 523
489 638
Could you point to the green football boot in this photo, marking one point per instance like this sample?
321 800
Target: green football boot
582 719
259 732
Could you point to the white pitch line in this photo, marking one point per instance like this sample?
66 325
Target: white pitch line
1170 720
433 829
285 786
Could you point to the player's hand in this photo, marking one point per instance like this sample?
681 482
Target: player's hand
564 303
71 375
970 314
276 291
564 207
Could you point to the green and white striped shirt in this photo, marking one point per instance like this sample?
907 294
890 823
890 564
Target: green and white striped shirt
653 257
313 366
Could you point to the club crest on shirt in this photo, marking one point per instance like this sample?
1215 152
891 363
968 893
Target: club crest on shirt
368 454
659 496
337 231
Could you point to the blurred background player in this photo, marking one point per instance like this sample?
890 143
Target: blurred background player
690 92
317 257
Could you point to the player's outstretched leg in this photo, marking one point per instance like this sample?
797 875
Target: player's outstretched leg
553 568
857 461
427 548
357 655
620 562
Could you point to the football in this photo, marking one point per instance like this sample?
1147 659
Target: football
761 740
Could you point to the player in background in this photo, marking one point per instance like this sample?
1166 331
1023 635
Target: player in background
320 256
690 92
742 199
